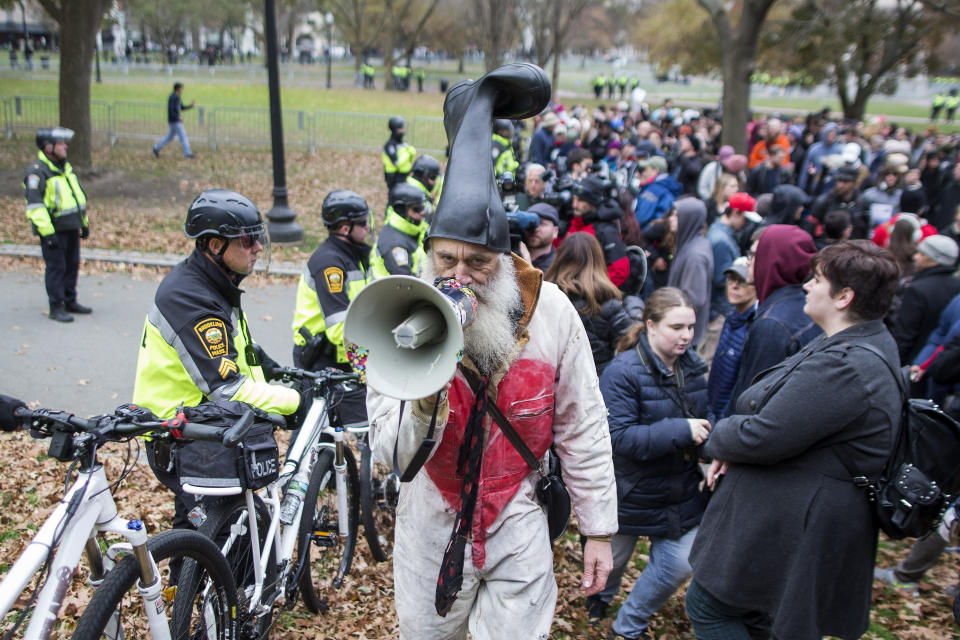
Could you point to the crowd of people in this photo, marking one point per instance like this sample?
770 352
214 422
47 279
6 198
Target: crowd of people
764 267
733 313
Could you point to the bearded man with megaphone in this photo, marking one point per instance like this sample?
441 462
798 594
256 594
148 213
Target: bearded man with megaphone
472 550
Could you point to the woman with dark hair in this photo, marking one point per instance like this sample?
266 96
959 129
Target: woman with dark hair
787 544
581 273
656 397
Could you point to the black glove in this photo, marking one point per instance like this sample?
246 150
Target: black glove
295 419
50 241
271 368
8 421
85 232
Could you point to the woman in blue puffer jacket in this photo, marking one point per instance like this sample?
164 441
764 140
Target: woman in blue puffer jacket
656 397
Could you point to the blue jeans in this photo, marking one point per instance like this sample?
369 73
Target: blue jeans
667 569
176 129
715 620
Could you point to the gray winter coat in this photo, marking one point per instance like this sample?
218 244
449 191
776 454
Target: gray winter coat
787 533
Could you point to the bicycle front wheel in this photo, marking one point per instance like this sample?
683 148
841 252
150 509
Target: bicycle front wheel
116 611
328 553
377 505
229 521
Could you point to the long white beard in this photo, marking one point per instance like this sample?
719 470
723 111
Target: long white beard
492 336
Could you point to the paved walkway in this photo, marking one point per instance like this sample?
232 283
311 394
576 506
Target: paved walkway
88 366
134 257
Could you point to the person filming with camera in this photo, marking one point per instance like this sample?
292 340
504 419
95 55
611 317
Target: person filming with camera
599 215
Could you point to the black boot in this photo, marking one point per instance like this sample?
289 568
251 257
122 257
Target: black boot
76 307
59 313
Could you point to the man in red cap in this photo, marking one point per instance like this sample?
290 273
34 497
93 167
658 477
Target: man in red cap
722 237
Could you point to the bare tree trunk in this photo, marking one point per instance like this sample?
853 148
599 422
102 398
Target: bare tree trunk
79 23
736 100
738 51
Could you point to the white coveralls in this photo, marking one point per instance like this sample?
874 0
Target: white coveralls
550 394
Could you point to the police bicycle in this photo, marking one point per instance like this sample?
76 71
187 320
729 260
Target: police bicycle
133 597
297 535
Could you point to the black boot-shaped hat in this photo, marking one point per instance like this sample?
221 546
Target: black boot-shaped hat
470 208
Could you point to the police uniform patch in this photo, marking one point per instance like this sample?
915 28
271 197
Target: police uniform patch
400 256
227 366
213 336
33 181
334 278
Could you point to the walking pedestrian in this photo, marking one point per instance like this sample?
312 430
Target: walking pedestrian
175 107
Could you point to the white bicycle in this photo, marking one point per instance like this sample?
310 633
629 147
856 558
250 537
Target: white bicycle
134 595
303 531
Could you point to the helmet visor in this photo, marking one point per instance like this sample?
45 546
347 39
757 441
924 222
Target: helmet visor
249 237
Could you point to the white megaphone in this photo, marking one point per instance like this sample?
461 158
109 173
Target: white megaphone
412 333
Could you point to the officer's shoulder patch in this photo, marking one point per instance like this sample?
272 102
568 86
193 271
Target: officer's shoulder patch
33 181
213 336
227 366
400 256
334 278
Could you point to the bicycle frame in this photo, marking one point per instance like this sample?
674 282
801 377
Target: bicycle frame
88 508
304 450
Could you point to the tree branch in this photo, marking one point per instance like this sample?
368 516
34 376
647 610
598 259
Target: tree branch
53 8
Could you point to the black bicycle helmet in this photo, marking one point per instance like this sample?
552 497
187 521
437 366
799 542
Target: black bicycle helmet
52 135
396 123
404 195
223 213
343 206
425 168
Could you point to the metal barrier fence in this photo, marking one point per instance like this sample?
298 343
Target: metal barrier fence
224 125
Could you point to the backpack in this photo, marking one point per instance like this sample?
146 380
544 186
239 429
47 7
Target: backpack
921 476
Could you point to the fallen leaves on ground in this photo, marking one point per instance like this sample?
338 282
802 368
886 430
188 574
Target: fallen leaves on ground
363 608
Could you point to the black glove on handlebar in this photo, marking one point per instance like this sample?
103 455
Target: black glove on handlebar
295 419
8 421
271 368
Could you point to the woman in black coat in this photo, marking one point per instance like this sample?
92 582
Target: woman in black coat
581 273
787 543
656 397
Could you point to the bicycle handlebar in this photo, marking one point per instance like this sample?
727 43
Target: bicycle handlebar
119 427
320 378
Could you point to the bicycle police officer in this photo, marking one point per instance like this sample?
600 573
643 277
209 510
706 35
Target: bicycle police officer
57 210
196 344
399 249
336 272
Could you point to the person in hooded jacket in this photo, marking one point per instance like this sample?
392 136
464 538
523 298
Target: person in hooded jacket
580 272
692 268
656 396
787 206
599 216
781 264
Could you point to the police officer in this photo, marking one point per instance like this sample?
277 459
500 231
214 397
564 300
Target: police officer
196 345
368 75
937 106
397 155
951 103
425 176
336 272
504 160
399 249
57 210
